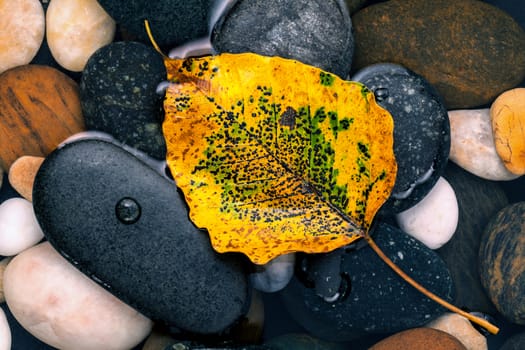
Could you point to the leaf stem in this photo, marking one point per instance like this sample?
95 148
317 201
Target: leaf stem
477 320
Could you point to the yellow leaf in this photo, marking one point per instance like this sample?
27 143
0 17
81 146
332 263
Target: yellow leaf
275 156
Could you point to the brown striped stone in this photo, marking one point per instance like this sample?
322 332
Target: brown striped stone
502 261
39 108
468 50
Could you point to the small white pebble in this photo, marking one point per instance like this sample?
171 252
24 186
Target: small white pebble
274 275
19 228
5 332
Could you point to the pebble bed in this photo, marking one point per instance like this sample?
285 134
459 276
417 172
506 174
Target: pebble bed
444 197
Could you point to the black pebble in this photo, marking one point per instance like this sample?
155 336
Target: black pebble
315 32
421 130
118 95
160 263
377 300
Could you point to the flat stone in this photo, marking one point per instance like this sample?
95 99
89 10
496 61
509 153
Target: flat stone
472 144
458 46
5 332
434 219
22 175
478 201
421 130
128 216
19 229
420 339
460 328
173 22
75 29
373 298
23 28
315 32
39 101
502 261
118 95
57 304
507 114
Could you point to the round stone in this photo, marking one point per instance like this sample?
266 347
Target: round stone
22 175
315 32
118 95
502 261
421 130
472 144
5 332
457 46
19 228
23 28
39 108
75 29
508 117
57 304
434 219
420 339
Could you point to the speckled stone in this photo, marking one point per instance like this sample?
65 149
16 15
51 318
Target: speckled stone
23 27
478 201
173 22
507 114
298 341
421 130
420 339
130 218
516 342
39 101
316 32
472 144
373 298
502 261
118 95
458 46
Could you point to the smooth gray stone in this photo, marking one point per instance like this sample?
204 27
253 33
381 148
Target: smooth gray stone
315 32
126 227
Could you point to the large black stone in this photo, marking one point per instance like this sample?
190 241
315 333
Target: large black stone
421 130
316 32
118 95
375 299
126 226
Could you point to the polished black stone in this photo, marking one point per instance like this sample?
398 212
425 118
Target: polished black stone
161 263
421 130
316 32
375 299
118 95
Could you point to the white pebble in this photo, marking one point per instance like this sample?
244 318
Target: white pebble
59 305
5 332
274 275
472 145
19 228
75 29
434 219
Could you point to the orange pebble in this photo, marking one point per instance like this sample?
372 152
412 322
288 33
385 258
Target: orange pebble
39 108
420 339
508 125
22 175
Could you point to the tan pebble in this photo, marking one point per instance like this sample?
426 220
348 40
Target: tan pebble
22 27
75 29
461 328
3 265
419 339
39 108
508 124
158 340
22 175
472 144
